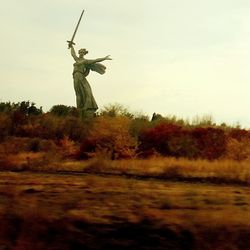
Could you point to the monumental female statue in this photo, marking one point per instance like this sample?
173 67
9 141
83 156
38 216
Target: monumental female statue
84 97
85 100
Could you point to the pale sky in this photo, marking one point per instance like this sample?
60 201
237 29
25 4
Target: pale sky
173 57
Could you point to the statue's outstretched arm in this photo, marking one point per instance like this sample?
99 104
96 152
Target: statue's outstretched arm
99 59
73 53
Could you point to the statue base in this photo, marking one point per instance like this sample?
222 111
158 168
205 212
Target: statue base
87 114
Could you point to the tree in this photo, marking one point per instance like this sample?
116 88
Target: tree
114 110
63 110
24 108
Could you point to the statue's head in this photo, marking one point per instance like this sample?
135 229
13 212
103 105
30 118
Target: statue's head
82 52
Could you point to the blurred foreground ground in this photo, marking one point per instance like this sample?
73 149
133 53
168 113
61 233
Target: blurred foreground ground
88 211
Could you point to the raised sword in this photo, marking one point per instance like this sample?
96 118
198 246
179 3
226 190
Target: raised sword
71 42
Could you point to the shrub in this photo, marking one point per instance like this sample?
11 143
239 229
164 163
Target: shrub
115 110
30 129
63 110
5 126
110 135
25 107
68 148
239 134
14 145
75 129
164 138
48 127
210 142
238 149
182 145
41 145
173 140
138 124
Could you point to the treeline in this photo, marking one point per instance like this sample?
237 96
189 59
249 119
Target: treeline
116 133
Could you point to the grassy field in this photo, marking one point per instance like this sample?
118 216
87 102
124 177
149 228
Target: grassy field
216 171
100 211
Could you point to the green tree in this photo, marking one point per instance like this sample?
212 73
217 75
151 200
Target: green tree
63 110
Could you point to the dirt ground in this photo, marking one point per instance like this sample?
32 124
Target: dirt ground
87 211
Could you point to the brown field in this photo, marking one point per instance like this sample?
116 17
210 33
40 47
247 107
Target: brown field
100 211
216 171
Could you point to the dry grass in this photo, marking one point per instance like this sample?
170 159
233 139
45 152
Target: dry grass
54 211
227 171
223 170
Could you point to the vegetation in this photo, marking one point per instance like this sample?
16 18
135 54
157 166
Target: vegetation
166 147
121 180
118 133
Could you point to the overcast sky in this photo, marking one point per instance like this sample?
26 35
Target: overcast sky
173 57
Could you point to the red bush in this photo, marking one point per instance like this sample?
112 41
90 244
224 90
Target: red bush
165 138
210 142
239 134
173 140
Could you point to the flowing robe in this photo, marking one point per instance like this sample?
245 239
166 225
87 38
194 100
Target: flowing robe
84 96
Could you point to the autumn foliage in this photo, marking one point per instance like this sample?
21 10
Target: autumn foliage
116 134
110 136
178 141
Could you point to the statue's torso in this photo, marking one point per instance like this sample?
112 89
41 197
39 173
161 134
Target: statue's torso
79 66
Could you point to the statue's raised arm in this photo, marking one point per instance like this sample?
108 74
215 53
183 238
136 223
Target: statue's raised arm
73 53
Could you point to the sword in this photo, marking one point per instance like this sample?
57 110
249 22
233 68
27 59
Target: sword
71 42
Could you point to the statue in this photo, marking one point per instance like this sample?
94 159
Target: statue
84 98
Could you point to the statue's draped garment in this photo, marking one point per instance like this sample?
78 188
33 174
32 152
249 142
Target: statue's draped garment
84 96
